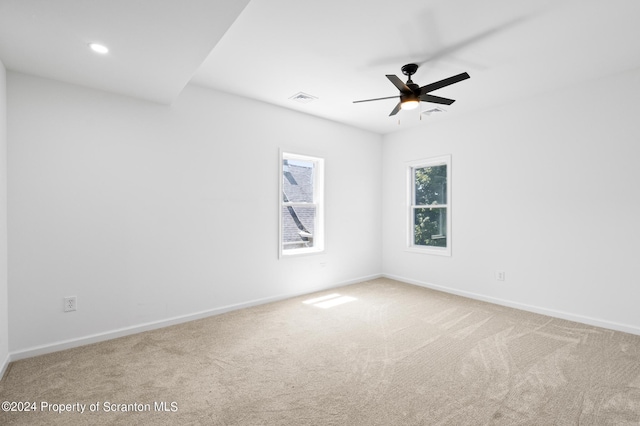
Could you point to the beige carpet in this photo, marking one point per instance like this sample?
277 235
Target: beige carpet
396 355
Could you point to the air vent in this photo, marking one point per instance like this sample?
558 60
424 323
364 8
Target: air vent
433 111
303 98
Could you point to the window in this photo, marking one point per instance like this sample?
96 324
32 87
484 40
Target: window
430 206
301 210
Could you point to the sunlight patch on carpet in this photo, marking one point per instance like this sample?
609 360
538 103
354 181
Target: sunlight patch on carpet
329 301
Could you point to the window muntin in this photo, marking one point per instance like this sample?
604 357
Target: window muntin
430 206
301 211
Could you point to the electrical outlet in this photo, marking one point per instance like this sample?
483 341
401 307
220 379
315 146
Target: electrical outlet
70 303
500 275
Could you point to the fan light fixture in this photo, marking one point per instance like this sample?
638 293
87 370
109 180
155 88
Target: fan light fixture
410 104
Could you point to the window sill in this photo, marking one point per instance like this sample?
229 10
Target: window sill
298 253
437 251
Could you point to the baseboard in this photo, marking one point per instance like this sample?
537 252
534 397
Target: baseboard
126 331
4 366
611 325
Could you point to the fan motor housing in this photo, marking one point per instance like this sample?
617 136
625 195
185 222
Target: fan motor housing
414 87
404 97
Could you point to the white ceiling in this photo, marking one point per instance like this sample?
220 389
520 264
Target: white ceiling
336 50
155 45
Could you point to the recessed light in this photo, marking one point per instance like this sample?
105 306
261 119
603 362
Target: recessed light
99 48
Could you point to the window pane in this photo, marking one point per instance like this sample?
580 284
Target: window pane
298 225
430 227
431 185
297 181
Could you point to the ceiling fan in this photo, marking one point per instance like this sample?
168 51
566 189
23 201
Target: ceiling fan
411 94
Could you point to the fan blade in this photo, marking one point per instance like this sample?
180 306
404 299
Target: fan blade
447 51
436 99
396 109
442 83
476 38
399 84
376 99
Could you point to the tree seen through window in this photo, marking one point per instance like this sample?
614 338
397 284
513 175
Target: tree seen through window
430 206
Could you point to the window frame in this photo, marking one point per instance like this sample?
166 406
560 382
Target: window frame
411 206
317 202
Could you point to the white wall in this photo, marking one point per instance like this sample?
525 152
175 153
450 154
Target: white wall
4 313
147 212
545 189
